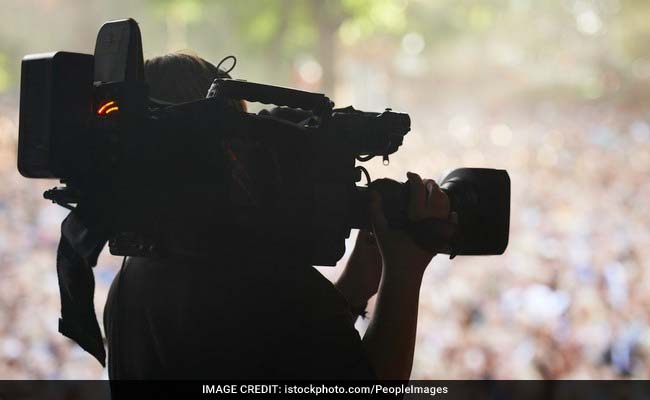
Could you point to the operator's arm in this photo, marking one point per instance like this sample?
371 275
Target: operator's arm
359 280
390 338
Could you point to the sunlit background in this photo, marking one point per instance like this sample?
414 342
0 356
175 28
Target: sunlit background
556 92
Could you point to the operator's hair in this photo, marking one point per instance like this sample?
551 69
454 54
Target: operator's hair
181 77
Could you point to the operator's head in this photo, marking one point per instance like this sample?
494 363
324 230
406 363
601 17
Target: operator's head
181 77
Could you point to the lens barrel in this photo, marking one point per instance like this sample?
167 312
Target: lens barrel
479 198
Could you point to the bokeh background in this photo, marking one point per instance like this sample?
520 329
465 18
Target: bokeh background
556 92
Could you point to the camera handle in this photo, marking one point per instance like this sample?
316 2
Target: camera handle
237 89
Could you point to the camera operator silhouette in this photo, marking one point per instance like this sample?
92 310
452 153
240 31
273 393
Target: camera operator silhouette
242 315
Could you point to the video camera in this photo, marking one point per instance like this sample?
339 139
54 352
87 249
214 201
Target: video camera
148 176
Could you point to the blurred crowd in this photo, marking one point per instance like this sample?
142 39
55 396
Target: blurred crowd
30 345
569 299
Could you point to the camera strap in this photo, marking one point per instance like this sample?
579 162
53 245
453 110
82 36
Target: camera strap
78 250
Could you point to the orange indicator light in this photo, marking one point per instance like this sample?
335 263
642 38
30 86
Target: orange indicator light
106 108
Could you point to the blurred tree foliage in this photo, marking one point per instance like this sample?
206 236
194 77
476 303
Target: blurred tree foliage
279 29
587 44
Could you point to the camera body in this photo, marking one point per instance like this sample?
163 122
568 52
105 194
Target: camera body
203 177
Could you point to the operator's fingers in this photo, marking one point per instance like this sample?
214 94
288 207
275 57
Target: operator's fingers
437 204
416 207
377 217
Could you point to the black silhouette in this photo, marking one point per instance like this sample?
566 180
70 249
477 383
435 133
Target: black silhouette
222 213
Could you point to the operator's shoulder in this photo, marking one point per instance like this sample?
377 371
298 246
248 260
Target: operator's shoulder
263 278
315 292
305 277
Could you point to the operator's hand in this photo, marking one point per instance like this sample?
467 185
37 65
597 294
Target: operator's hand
400 254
